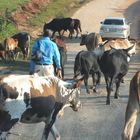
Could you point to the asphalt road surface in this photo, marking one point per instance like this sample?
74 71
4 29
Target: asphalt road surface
96 120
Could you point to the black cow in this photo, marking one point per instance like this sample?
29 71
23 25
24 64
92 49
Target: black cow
59 24
91 40
114 65
76 26
86 63
23 42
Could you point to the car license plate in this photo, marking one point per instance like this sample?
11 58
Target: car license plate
112 30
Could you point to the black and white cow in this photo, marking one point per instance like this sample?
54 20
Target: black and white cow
114 66
31 99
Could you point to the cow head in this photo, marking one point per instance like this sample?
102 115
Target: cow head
74 98
124 51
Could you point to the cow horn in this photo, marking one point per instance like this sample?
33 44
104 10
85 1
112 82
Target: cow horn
106 41
128 49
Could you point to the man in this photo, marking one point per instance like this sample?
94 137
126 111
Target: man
50 52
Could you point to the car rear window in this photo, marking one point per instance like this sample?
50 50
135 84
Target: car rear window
113 22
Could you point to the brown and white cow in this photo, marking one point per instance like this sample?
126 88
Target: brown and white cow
133 107
31 99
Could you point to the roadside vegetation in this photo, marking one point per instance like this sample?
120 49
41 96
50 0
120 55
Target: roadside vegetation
55 8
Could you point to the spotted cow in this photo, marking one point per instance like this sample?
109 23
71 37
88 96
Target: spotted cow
31 99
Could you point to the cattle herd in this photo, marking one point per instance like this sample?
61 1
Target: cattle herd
32 99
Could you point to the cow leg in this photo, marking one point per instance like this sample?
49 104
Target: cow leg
137 135
77 32
55 133
95 81
53 34
86 83
130 121
52 120
109 88
98 80
117 88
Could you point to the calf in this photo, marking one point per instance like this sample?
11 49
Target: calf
114 66
91 40
23 39
76 26
133 107
32 99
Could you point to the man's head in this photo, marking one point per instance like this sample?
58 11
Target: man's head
47 33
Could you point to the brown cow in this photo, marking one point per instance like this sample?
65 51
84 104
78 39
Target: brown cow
11 46
63 53
133 107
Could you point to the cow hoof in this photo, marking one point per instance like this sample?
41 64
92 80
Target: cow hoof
95 90
89 92
116 97
107 102
58 138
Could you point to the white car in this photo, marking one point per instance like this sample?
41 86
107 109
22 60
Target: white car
114 27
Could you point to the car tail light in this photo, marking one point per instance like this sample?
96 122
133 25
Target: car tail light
123 29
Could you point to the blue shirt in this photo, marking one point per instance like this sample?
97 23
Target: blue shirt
49 51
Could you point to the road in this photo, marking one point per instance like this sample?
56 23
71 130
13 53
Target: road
96 120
